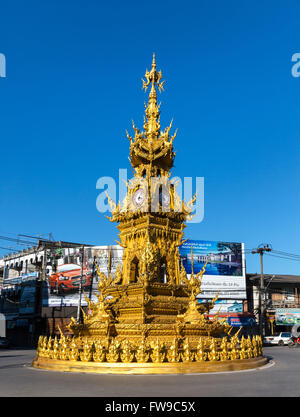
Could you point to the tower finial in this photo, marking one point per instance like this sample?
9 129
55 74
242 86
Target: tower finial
152 124
153 61
153 77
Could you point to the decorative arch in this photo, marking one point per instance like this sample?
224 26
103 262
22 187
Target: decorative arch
163 270
134 270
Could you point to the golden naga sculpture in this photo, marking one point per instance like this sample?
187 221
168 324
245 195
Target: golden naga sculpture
147 318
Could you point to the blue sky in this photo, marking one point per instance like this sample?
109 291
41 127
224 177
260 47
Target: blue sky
73 85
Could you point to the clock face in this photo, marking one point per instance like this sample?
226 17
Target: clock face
164 198
138 197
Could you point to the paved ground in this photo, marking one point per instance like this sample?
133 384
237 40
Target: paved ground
281 377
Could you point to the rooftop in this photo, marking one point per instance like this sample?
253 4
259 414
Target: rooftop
276 278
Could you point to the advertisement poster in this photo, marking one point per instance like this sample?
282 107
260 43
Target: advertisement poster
241 321
64 280
225 267
287 316
225 306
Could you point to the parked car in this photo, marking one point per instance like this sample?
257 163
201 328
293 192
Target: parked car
4 342
281 339
67 278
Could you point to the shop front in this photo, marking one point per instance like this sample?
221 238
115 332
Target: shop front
285 319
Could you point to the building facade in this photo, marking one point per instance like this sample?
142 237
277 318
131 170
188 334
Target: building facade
25 292
280 298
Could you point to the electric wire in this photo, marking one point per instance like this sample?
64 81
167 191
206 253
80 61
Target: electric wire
19 242
290 255
283 257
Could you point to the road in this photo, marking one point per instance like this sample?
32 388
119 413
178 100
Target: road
281 377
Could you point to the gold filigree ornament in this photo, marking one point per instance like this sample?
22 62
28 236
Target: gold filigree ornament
143 352
158 354
187 354
173 356
113 353
100 351
127 352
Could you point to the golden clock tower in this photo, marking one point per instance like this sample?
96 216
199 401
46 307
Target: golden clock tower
147 318
151 218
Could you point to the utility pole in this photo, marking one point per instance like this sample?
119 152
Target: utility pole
92 279
80 287
261 250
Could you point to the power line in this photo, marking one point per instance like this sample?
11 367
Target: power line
40 237
284 257
19 242
277 254
292 255
3 247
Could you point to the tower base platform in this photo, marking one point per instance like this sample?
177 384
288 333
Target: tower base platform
149 368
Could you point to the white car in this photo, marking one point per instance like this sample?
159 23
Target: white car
280 339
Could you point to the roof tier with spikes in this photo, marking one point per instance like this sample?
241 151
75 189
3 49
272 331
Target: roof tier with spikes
152 148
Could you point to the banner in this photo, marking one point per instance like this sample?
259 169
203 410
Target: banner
225 306
241 321
225 267
287 316
64 281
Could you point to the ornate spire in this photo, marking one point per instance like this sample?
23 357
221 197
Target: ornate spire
154 77
152 147
152 120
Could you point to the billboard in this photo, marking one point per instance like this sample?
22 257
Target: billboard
287 316
64 281
225 306
241 321
225 270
